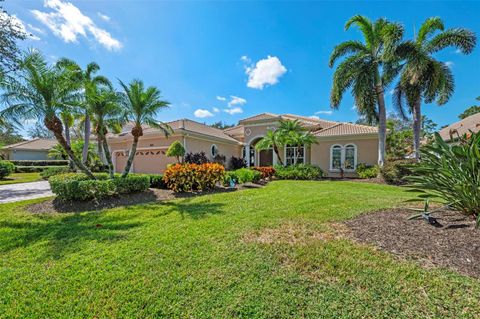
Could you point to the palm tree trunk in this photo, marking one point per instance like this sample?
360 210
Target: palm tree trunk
417 128
382 125
100 150
67 140
108 156
275 149
55 125
86 139
131 156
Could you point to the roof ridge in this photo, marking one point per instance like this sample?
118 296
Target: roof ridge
309 118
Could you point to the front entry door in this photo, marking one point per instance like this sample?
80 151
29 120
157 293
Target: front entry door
266 157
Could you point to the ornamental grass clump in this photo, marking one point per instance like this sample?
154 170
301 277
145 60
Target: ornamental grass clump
451 172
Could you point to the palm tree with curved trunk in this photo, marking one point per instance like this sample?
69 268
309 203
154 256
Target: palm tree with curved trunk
42 92
367 69
141 106
425 77
88 80
106 116
273 140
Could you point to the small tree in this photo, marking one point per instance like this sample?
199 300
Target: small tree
177 150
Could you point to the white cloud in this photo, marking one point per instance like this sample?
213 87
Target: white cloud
449 64
202 113
354 107
265 72
235 100
245 59
458 51
221 98
314 117
324 112
68 22
35 29
216 109
233 110
104 17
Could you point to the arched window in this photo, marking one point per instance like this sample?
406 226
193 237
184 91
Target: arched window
343 157
214 150
336 157
350 161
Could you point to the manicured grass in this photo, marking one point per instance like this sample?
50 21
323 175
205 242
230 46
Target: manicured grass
190 258
16 178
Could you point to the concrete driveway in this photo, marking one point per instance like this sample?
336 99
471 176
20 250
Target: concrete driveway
22 191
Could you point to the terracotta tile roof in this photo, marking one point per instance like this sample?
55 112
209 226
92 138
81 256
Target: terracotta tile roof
471 123
309 120
234 131
342 129
35 144
180 125
260 117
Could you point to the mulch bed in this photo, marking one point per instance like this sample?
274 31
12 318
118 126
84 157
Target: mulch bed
152 195
455 243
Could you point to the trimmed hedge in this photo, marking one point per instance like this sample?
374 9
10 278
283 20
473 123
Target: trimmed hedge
156 181
33 169
395 172
54 170
299 172
242 176
367 171
6 168
77 186
40 162
190 177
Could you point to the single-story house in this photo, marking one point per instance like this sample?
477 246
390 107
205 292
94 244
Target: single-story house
341 146
35 149
453 131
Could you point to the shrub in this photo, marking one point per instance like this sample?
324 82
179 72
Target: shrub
156 181
267 171
451 173
6 168
394 172
32 169
40 162
131 184
54 170
220 159
190 177
196 158
299 171
367 171
237 162
243 175
77 186
176 150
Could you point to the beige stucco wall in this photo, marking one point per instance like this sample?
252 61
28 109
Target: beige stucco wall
367 152
257 131
195 145
151 151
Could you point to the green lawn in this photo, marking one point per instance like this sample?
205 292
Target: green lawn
195 258
20 178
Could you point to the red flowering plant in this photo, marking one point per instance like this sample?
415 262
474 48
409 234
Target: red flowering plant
267 171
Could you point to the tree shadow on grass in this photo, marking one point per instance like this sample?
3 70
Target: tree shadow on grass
195 209
65 235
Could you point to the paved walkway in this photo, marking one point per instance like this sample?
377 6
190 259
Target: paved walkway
22 191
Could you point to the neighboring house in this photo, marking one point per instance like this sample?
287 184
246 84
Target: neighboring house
453 131
36 149
341 146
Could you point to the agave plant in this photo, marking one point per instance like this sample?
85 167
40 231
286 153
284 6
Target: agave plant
451 172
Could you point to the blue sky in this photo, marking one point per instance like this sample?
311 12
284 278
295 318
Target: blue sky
230 60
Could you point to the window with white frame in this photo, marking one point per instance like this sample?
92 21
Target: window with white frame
343 157
214 150
294 154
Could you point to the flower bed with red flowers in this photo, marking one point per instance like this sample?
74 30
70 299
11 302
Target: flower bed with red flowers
193 177
267 171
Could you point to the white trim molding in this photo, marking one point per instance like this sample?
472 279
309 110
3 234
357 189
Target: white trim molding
342 157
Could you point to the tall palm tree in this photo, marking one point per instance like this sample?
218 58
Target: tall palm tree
368 68
141 105
271 139
425 77
68 120
41 92
88 81
106 115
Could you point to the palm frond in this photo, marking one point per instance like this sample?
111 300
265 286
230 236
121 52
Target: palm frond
365 26
428 28
346 48
462 39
